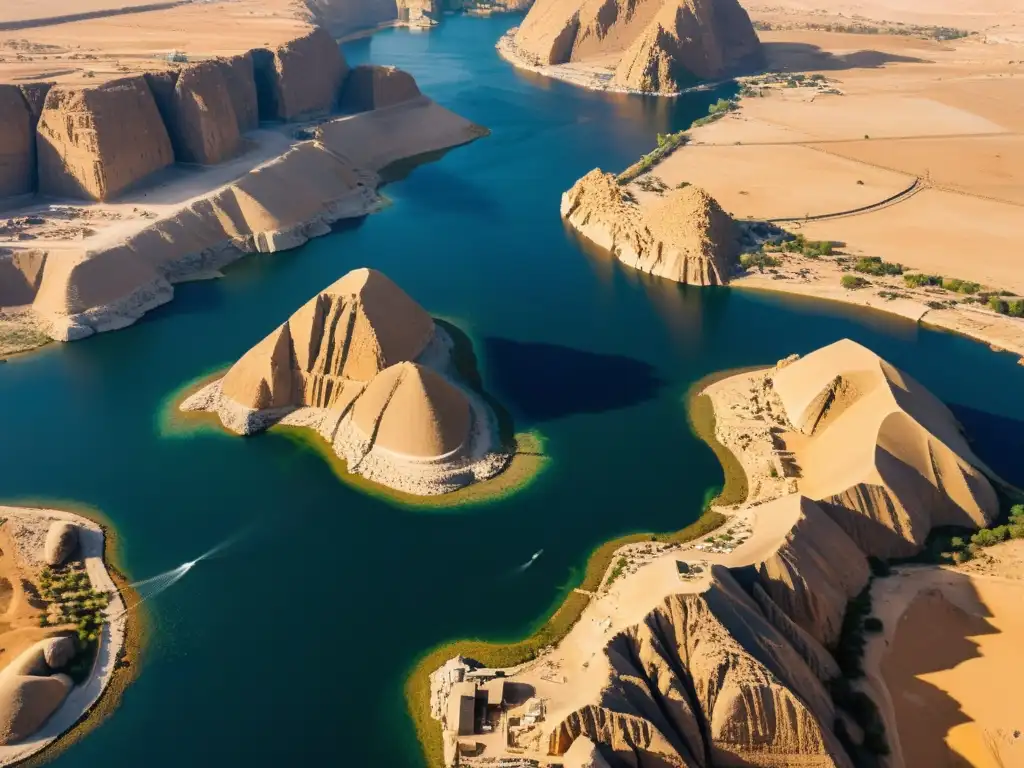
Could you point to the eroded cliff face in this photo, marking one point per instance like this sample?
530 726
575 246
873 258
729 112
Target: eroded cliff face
375 87
707 680
17 143
300 79
662 45
97 142
687 237
341 17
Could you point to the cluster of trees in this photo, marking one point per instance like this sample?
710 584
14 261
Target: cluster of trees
964 549
79 603
1013 307
812 249
758 259
873 265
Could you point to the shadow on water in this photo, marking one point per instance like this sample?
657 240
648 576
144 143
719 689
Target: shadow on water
998 441
542 381
435 188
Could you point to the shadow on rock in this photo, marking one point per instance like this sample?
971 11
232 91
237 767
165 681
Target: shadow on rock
804 57
548 381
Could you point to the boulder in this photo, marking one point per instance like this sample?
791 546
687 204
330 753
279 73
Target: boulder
17 143
59 651
61 542
28 695
373 87
95 142
301 78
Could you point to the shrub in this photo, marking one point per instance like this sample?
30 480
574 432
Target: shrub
873 624
682 185
960 286
963 556
721 106
998 305
759 260
1017 510
1015 308
852 282
919 280
1016 530
873 265
957 542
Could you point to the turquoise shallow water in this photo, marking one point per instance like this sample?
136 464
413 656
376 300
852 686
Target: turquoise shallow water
291 647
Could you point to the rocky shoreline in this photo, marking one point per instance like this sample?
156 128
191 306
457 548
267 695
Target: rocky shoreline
29 529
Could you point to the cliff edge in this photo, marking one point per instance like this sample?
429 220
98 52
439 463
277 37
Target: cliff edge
687 237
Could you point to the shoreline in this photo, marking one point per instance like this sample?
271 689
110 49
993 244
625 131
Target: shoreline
548 632
118 655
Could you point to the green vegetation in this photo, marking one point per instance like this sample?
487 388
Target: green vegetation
849 654
873 265
78 604
620 566
702 422
812 249
852 282
960 286
667 144
1013 308
758 259
716 111
921 280
15 337
863 28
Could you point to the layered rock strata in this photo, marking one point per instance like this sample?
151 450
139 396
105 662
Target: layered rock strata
706 680
17 143
366 367
687 237
277 206
97 142
659 46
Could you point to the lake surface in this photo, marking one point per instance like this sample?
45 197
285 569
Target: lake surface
292 645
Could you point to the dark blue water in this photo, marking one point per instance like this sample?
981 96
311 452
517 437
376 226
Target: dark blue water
292 646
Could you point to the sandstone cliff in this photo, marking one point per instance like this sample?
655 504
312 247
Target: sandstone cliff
373 87
197 104
659 45
687 237
301 78
885 458
705 680
342 18
816 568
17 143
96 142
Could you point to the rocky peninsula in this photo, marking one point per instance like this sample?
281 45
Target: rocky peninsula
65 625
186 168
747 647
652 46
365 367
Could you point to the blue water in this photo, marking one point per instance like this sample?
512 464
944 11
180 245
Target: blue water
291 646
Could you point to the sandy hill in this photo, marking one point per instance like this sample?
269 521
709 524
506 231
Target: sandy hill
347 333
653 45
366 367
882 455
687 237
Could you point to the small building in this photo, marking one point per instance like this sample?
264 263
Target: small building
462 708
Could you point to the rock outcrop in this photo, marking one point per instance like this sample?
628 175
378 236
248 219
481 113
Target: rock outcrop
61 542
276 206
885 458
17 143
659 45
20 275
29 694
374 87
344 18
706 680
366 367
687 237
300 79
815 570
96 142
58 652
198 108
327 351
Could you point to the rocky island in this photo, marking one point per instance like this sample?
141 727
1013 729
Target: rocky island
185 166
746 648
651 46
64 626
366 367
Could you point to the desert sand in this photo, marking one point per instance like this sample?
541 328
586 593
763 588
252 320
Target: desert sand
902 143
182 163
37 704
682 650
364 366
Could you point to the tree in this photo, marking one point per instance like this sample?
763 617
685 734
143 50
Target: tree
998 305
